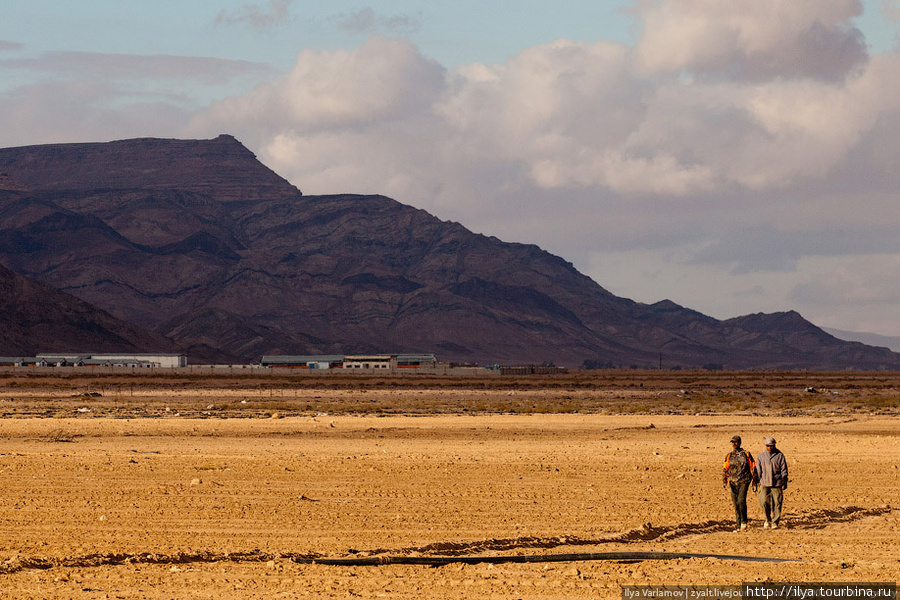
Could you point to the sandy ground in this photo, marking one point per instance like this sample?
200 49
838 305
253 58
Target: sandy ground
176 507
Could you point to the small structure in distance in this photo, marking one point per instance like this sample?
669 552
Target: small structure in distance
369 362
96 360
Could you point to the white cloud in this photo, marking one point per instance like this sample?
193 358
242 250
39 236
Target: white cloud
382 80
805 128
760 39
570 115
566 111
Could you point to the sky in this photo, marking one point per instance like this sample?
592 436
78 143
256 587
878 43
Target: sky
733 157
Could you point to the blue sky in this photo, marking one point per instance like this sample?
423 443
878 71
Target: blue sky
732 157
450 32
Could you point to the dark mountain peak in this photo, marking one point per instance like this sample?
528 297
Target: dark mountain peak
220 166
789 320
791 341
664 306
224 138
676 316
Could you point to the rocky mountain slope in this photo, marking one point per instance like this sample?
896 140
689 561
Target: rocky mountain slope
39 318
198 241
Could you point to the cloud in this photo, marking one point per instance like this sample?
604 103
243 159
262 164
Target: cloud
861 281
76 111
573 115
366 21
274 13
891 9
77 96
778 132
6 46
751 40
129 66
768 248
382 80
567 111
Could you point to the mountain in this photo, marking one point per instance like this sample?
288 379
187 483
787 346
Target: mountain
39 318
198 241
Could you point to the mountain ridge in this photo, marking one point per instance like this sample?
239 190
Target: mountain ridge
204 244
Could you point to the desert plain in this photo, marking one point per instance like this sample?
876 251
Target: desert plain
232 485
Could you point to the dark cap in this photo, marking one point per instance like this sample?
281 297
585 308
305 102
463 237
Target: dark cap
736 438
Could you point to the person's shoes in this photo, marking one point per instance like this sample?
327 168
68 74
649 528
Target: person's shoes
743 526
766 525
774 525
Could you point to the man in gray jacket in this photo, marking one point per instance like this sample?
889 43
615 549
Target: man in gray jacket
772 474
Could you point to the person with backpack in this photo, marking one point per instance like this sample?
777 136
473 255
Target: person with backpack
740 472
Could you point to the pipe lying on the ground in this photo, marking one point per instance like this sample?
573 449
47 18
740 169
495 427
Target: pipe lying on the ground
361 561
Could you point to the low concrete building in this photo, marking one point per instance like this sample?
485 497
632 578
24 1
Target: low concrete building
152 360
113 360
315 361
371 361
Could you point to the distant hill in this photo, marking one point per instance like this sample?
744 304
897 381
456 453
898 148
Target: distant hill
198 241
870 339
40 318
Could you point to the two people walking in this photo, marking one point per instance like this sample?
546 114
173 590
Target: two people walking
768 475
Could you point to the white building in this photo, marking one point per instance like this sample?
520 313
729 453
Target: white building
151 360
125 360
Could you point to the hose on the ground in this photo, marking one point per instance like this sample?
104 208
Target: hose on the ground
361 561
